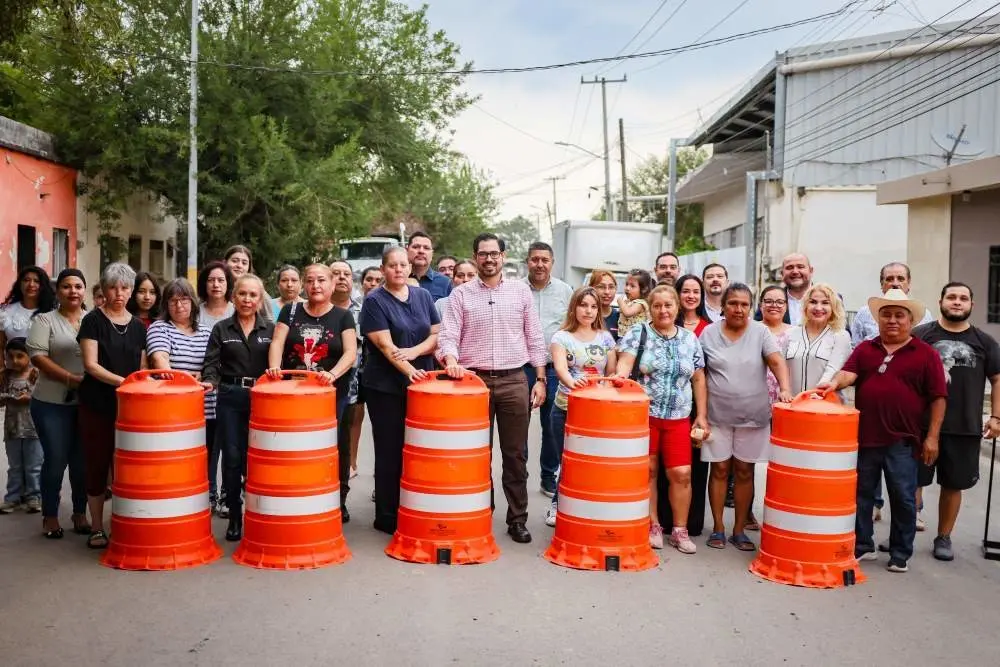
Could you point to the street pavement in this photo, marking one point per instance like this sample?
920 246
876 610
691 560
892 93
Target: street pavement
59 607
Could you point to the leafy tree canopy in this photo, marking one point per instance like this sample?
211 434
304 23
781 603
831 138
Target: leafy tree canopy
518 233
315 117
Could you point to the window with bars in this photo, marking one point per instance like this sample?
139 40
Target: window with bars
993 306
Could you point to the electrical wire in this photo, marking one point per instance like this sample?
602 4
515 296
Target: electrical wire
706 33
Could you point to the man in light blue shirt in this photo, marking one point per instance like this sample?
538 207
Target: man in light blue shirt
894 275
551 297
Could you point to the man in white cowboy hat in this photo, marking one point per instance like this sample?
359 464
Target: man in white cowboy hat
899 380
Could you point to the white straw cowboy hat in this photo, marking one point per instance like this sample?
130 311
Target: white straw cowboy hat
897 297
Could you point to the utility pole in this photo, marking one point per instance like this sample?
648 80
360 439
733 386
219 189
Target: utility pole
554 209
607 151
621 142
672 193
192 222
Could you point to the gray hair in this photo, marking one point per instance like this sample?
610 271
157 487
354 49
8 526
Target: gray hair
118 273
179 287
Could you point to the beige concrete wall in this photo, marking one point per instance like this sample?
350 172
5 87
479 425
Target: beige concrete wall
725 210
142 218
928 233
974 228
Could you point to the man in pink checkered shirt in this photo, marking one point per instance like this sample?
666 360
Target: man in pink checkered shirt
490 328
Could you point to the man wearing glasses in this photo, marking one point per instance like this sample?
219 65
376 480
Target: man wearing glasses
491 328
901 392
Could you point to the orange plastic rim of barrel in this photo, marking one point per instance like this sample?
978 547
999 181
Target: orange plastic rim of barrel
444 512
292 519
160 515
807 537
602 520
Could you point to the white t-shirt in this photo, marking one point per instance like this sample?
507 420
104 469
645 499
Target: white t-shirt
15 320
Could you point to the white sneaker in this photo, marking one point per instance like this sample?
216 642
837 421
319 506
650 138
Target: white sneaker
680 540
921 524
656 536
8 507
868 555
550 516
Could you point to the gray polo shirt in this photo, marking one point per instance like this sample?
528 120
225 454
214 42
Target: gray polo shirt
551 304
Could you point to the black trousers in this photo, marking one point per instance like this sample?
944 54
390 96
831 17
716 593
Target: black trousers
699 491
232 431
388 412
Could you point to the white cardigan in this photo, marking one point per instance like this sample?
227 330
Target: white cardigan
815 362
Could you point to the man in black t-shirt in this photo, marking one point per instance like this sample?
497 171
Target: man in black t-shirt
970 357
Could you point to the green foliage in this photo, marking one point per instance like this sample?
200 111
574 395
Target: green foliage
289 159
518 233
651 177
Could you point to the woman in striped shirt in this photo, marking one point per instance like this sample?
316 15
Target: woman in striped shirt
177 341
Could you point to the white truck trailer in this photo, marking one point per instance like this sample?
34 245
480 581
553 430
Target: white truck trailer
581 246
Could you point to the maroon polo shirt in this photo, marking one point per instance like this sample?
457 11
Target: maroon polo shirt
894 404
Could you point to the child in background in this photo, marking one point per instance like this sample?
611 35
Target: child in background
24 451
633 306
98 296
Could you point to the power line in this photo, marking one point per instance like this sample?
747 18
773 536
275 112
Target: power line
512 126
663 24
714 26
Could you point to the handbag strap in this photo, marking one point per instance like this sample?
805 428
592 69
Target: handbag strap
634 375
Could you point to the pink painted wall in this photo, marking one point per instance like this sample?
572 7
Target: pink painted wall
40 194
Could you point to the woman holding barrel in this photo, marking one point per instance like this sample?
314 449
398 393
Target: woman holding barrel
235 357
178 341
670 369
818 348
401 326
113 346
581 348
738 353
318 336
55 352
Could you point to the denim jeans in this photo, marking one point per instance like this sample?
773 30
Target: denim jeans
550 456
56 424
232 433
879 498
24 469
558 427
343 445
900 467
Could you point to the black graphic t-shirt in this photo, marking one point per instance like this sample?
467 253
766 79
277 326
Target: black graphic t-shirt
969 358
315 343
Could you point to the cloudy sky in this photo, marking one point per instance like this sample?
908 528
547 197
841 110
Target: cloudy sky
511 131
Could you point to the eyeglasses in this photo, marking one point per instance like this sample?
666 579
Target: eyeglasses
491 254
179 301
885 364
770 303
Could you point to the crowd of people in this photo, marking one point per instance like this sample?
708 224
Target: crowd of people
712 359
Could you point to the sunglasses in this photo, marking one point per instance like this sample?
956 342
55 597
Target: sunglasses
885 364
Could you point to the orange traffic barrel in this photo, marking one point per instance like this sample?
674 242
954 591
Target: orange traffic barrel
807 538
445 513
602 520
292 519
160 515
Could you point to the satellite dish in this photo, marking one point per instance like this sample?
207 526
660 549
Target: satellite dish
967 145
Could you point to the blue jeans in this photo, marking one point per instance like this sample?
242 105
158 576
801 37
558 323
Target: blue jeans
550 456
900 468
56 424
558 426
24 469
232 433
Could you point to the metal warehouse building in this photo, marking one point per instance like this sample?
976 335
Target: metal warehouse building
800 153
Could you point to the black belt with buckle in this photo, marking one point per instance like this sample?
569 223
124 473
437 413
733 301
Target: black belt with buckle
244 382
503 372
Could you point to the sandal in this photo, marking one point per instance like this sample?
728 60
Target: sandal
80 525
97 540
717 540
752 524
53 534
742 542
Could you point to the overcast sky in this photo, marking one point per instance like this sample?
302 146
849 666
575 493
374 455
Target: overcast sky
511 131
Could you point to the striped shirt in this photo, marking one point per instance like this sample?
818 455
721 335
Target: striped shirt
187 353
492 328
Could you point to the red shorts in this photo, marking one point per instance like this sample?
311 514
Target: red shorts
671 439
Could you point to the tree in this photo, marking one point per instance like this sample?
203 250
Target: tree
518 233
652 176
315 116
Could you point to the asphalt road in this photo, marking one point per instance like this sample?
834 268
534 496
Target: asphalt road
59 607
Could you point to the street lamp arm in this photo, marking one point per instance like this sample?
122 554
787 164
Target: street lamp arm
579 148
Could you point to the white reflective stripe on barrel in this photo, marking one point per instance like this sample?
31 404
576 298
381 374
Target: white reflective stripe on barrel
631 510
443 503
293 506
159 508
809 524
293 441
612 448
429 439
171 441
808 459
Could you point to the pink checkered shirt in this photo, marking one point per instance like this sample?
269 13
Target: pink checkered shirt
492 328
